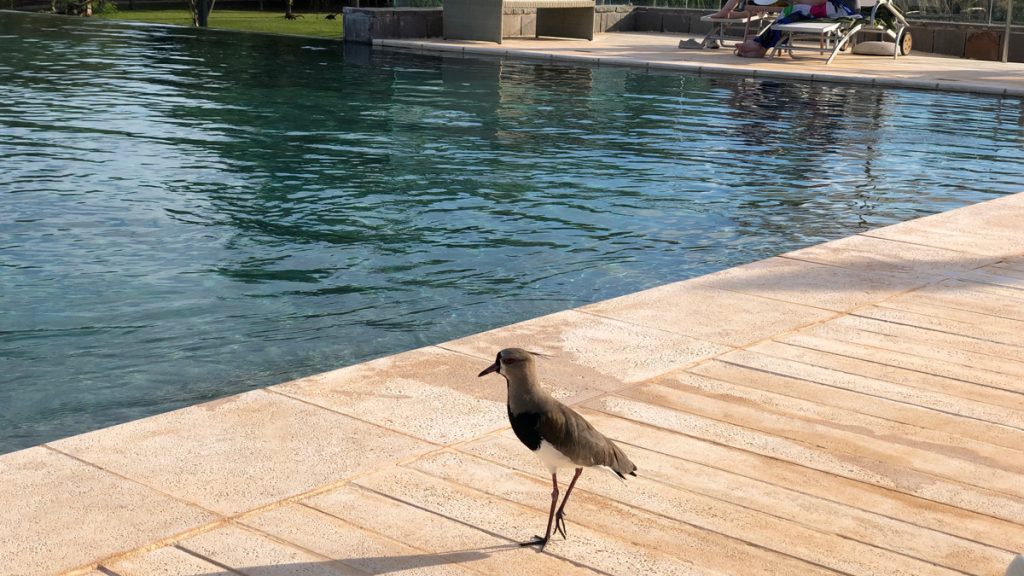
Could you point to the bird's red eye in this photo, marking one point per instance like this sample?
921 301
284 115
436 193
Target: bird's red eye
507 361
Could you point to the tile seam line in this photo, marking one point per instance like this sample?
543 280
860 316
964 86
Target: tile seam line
870 234
881 364
715 533
949 306
940 346
271 390
468 525
367 530
1019 497
898 489
734 538
842 409
834 502
81 460
901 307
183 546
871 395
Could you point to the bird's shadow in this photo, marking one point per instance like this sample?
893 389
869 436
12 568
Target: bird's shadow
364 564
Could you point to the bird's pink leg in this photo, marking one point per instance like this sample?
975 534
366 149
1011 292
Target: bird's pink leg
559 521
551 514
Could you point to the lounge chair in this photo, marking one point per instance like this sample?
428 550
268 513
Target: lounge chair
878 17
482 19
720 28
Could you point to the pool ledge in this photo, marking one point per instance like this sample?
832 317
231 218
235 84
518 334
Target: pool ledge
856 407
660 51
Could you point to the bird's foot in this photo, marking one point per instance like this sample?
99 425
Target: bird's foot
560 525
542 541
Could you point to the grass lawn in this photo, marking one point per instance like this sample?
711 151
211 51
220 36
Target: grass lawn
247 20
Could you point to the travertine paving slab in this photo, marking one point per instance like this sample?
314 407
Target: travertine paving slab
854 399
57 513
919 328
988 229
695 309
241 452
167 561
689 392
721 487
252 554
891 366
866 349
587 548
919 312
801 282
723 516
475 547
869 254
600 352
709 551
995 301
897 452
392 392
792 476
985 418
342 541
879 472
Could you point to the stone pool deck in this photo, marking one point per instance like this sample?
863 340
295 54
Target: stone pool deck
661 51
855 407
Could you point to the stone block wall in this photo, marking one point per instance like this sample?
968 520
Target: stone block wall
365 24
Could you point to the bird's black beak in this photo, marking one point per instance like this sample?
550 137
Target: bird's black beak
488 370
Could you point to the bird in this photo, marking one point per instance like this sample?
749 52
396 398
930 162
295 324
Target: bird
556 434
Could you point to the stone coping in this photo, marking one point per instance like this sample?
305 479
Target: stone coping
856 407
660 51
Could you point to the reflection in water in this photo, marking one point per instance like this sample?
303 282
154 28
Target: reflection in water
189 214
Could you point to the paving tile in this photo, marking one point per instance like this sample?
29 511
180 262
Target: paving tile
801 282
57 513
891 366
984 298
709 551
868 254
849 465
842 438
889 350
471 546
996 276
253 554
429 393
732 517
787 503
695 309
979 420
697 394
241 452
167 561
349 544
585 548
604 353
858 400
942 332
892 504
988 229
911 310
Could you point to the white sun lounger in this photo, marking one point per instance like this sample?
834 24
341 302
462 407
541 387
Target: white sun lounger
831 36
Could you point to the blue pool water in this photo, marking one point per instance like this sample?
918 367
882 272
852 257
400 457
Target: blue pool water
186 215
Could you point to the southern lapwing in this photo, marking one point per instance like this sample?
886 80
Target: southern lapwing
558 436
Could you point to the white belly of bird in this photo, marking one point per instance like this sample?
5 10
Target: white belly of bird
552 458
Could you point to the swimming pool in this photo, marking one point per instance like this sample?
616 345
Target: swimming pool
188 214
